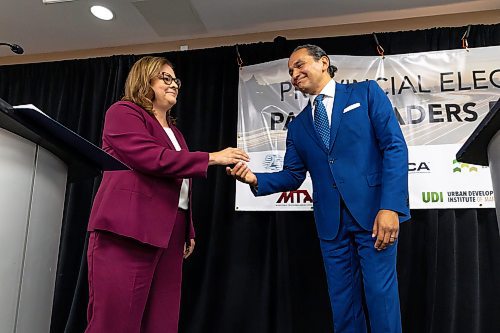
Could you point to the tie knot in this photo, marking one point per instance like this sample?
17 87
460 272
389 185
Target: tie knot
319 99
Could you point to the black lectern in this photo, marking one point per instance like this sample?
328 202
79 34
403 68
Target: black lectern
38 156
483 148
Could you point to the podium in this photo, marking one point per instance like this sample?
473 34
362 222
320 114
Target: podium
483 148
38 156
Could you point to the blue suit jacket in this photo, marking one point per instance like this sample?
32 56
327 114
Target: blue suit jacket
366 164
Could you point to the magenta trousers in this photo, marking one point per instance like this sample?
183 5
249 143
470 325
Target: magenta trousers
134 287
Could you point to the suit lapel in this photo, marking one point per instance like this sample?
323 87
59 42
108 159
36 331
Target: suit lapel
158 130
164 136
342 93
308 124
179 137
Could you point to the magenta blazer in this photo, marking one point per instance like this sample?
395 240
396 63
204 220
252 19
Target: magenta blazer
142 203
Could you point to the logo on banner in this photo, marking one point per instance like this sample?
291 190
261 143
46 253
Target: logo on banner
298 196
419 167
273 162
432 197
459 167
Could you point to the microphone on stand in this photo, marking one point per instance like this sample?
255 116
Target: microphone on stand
14 48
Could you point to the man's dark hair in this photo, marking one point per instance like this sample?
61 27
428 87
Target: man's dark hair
317 53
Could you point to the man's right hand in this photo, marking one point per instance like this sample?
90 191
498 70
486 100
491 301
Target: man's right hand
242 173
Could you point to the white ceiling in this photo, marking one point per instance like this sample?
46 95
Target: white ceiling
69 26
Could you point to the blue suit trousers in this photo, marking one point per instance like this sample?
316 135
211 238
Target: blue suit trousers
353 264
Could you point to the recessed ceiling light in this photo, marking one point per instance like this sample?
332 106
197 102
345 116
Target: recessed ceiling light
54 1
102 12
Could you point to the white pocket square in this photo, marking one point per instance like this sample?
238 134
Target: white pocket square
351 107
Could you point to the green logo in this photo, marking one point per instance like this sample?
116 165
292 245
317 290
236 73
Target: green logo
432 197
459 167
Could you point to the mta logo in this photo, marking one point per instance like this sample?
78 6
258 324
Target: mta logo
273 162
459 167
298 196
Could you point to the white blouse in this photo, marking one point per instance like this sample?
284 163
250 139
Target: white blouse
184 196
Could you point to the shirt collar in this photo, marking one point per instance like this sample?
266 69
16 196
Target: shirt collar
328 91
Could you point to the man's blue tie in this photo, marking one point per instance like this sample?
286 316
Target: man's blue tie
321 120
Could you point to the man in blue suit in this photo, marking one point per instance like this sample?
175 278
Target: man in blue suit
350 142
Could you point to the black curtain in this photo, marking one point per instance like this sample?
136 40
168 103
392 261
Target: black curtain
261 272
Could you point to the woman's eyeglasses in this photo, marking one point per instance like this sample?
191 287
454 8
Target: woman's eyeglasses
168 79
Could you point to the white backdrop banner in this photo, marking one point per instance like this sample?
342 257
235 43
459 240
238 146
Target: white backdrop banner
439 98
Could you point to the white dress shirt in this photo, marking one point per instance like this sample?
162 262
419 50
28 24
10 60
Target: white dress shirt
329 92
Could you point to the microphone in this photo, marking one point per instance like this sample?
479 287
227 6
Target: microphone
14 48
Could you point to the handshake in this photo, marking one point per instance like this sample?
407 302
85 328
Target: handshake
238 157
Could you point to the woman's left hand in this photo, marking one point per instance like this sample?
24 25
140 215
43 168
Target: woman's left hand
188 248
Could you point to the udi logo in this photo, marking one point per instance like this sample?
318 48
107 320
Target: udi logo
432 197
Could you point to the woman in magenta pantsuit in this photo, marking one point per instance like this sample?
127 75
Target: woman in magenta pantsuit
140 225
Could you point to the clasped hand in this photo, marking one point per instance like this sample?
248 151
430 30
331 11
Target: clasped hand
228 156
242 172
